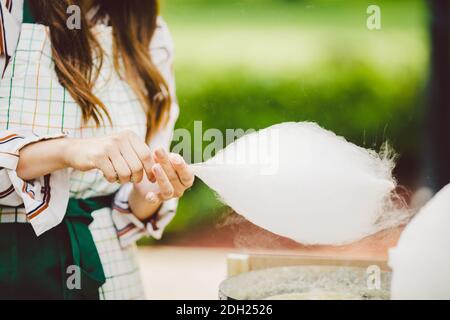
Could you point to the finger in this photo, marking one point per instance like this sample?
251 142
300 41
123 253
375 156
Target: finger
165 187
144 154
106 167
134 164
184 173
120 166
163 159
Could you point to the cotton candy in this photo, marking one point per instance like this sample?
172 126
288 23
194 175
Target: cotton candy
421 260
304 182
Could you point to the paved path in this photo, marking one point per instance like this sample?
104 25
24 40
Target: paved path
182 273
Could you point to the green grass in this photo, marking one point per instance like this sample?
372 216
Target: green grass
268 35
252 63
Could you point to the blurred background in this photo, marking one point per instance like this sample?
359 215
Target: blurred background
253 63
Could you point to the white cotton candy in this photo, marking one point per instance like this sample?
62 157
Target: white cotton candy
304 182
421 260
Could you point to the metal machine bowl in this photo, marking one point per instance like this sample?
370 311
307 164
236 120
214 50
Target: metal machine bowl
306 283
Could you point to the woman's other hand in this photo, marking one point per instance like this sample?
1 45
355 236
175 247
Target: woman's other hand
121 157
170 177
170 174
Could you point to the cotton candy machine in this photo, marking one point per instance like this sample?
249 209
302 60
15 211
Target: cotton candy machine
309 282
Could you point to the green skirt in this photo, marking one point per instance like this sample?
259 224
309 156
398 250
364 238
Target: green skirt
63 263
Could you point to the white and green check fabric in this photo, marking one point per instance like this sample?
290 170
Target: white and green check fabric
33 106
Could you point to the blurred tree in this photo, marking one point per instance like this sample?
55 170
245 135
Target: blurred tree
437 147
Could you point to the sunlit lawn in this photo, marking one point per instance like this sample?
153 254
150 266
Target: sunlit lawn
272 35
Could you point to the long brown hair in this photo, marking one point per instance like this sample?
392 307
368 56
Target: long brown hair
133 23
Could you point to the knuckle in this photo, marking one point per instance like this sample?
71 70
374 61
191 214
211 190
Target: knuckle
167 193
177 194
146 157
109 176
136 168
124 175
108 147
115 138
187 182
137 175
99 154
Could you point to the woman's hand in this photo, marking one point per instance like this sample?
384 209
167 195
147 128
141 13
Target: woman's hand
169 179
172 175
121 157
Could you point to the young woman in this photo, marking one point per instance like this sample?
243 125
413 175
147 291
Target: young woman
86 117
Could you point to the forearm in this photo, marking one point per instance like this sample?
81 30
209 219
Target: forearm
41 158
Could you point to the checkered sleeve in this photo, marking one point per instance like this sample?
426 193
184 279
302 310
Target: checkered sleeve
45 199
11 13
129 228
